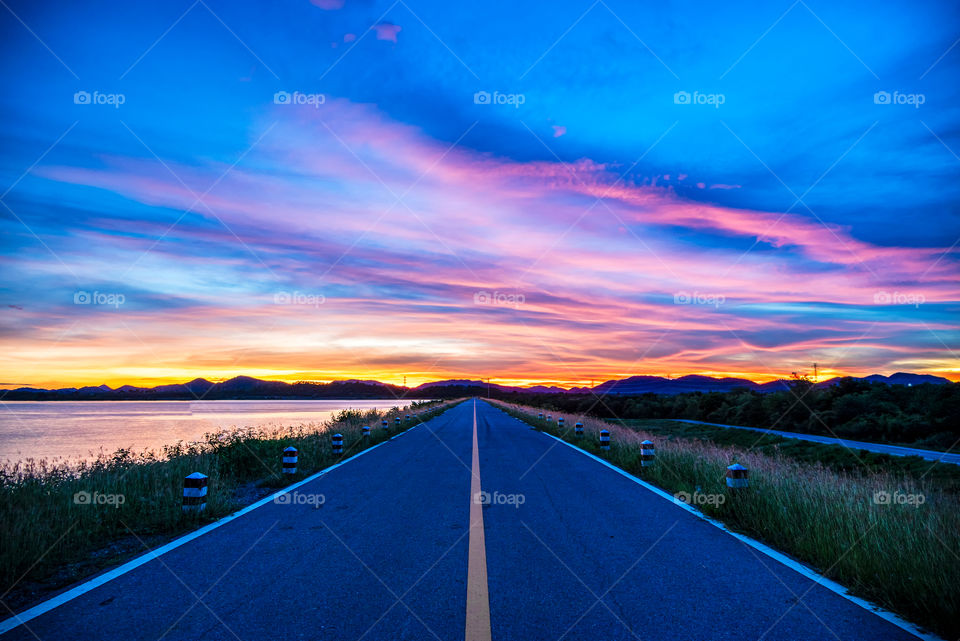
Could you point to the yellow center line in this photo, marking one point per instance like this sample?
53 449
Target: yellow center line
478 597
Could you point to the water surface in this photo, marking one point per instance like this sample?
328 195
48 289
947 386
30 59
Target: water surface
80 429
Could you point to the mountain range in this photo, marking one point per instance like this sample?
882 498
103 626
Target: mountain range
246 387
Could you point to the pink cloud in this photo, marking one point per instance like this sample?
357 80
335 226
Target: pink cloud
328 5
559 130
349 37
458 187
318 211
386 31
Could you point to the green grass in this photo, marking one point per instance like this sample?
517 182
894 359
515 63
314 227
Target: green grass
48 539
946 476
903 557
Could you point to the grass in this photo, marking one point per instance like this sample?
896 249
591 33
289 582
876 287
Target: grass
946 476
903 556
48 539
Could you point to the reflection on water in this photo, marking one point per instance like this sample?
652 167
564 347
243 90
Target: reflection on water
78 429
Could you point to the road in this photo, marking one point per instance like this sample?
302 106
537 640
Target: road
566 549
880 448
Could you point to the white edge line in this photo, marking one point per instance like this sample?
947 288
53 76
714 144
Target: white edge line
833 586
71 594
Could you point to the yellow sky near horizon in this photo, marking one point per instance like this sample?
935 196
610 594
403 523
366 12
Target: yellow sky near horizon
151 377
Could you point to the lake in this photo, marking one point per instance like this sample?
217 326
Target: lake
79 430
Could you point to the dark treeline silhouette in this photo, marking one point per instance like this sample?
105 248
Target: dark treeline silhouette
240 387
923 415
927 415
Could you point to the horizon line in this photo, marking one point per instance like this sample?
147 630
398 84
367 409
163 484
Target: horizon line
523 383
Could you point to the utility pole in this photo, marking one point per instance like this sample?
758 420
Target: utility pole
814 372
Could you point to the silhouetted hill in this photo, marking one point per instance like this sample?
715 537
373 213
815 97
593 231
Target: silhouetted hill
241 387
458 382
904 378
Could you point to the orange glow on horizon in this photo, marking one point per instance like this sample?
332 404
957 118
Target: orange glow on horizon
114 380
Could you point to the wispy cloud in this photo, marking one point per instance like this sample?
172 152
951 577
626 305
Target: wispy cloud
434 261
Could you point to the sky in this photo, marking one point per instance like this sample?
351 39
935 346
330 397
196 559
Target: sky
557 192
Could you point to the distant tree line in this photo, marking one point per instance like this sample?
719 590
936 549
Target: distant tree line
926 415
235 389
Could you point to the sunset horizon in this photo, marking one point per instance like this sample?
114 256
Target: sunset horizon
414 380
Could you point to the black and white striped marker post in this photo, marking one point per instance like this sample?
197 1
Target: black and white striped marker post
385 426
290 460
648 453
195 492
337 444
366 432
540 416
560 422
397 421
738 476
604 440
578 428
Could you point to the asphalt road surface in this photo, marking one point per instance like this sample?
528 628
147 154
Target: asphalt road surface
895 450
565 548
